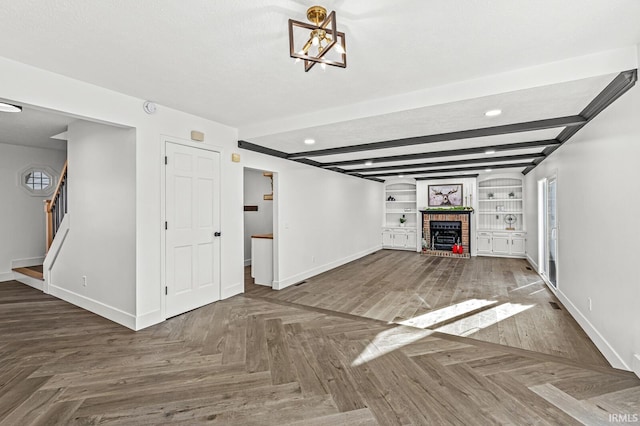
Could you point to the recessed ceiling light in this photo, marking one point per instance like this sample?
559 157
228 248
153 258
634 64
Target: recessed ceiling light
401 176
368 163
490 151
4 107
493 112
309 141
488 170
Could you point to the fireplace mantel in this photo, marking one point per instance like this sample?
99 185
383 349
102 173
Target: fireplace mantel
444 211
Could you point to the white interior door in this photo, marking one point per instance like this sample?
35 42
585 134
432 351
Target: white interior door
192 213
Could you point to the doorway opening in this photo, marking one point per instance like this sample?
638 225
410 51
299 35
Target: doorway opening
260 235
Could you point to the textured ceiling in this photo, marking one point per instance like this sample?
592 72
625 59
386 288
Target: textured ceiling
33 127
557 100
228 61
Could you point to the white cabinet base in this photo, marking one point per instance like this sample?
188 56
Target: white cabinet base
400 239
501 243
262 261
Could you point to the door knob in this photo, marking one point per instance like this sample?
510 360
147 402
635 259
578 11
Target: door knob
217 234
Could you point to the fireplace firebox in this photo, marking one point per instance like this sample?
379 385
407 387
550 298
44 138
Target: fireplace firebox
444 234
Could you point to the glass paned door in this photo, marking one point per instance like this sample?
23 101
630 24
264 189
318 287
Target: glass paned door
550 231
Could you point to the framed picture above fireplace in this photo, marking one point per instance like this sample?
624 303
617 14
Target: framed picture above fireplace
445 195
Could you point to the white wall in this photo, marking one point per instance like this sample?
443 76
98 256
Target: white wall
22 218
598 200
261 222
101 205
324 219
32 86
469 197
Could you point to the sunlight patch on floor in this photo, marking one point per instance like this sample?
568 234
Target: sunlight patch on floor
447 313
474 323
388 341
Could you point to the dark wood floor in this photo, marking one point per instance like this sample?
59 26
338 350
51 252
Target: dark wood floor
252 361
496 300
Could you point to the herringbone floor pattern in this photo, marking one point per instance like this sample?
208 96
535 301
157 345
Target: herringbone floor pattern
496 300
249 361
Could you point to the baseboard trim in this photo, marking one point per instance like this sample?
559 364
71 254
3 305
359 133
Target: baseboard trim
532 263
148 319
7 276
91 305
282 284
31 282
231 290
598 339
31 261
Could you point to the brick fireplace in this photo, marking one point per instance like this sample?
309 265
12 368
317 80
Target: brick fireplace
459 221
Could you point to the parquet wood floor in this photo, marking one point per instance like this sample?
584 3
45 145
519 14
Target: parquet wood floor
496 300
251 361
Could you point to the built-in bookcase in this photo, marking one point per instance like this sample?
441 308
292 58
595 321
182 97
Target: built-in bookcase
500 198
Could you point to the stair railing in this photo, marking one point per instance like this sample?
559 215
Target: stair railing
56 208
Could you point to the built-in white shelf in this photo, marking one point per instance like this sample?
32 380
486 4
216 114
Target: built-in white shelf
405 204
507 199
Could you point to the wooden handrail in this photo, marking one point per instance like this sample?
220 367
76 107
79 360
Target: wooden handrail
56 193
50 205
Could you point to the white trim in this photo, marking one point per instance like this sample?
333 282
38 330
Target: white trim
6 276
148 319
532 263
164 139
23 263
54 250
598 339
279 285
31 282
232 290
116 315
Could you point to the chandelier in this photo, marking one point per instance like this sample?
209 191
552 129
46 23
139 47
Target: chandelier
324 44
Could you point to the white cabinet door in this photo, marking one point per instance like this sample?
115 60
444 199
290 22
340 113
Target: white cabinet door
387 239
400 239
484 242
518 245
500 244
411 240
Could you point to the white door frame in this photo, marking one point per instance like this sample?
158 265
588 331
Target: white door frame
542 231
163 210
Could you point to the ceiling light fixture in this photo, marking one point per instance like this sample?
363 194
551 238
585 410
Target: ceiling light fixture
368 163
5 107
309 141
488 170
490 151
322 38
493 112
400 176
